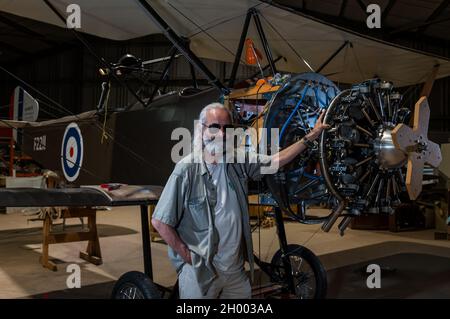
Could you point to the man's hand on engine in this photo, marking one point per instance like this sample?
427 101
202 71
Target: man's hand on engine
289 153
318 128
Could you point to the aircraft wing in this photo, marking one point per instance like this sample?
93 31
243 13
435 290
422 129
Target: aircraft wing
13 124
214 28
67 119
79 196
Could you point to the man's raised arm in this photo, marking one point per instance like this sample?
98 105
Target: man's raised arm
288 154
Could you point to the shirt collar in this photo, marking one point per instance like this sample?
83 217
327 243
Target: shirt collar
203 169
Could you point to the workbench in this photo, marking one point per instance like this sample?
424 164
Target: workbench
84 202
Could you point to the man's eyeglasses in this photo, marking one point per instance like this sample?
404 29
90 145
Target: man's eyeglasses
215 127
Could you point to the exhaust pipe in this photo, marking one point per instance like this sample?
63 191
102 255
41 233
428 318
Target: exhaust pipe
344 224
333 217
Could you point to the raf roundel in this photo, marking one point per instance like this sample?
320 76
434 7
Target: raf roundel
72 152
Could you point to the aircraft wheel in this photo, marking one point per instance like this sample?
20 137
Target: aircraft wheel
135 285
310 277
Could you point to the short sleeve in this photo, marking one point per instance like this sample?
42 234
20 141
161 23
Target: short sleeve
171 203
258 165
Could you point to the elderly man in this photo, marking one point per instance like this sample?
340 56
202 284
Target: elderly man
203 214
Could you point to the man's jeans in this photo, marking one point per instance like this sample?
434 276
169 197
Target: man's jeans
226 286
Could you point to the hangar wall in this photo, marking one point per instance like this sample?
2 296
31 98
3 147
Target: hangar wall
70 77
440 95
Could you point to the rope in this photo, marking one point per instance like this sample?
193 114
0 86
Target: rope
104 136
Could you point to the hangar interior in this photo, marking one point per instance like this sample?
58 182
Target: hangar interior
404 231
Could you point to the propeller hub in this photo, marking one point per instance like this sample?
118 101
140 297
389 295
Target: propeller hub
388 155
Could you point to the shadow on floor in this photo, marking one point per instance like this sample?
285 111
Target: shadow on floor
34 235
96 291
407 275
402 276
22 269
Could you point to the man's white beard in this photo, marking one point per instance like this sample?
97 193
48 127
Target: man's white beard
215 148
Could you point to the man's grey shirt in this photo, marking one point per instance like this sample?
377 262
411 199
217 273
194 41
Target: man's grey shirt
188 202
228 222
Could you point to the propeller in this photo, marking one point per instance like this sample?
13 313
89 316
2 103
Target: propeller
414 142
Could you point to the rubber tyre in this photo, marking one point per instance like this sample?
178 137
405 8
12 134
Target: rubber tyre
320 275
135 285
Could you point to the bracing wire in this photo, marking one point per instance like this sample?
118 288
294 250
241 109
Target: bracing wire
224 21
288 43
205 32
109 132
259 183
311 237
40 144
34 89
92 52
357 63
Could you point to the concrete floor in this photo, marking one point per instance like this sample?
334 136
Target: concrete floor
416 264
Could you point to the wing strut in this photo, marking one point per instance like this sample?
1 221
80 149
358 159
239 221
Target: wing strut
180 45
100 59
252 12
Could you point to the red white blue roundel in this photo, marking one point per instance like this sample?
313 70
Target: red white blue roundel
72 152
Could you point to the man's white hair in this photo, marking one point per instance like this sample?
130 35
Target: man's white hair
213 106
198 129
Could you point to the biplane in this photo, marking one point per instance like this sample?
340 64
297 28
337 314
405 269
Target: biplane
366 161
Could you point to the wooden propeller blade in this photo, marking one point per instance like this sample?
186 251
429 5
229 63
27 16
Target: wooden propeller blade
421 116
414 176
434 156
414 141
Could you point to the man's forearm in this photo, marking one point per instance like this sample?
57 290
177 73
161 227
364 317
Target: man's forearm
288 154
172 239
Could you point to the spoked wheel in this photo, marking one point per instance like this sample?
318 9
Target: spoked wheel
135 285
309 275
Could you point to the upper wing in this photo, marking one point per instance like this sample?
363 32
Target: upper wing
214 28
